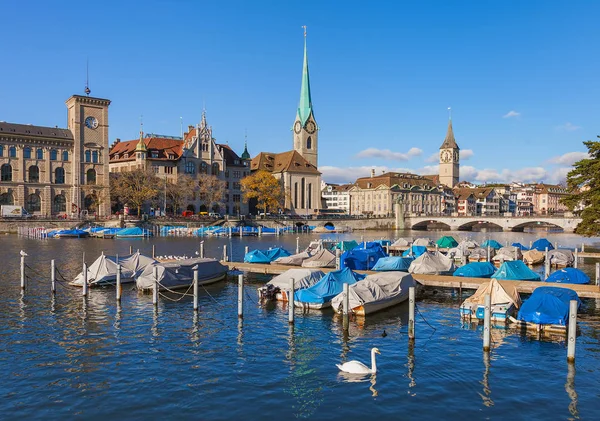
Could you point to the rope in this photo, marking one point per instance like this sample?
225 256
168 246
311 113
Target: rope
213 298
419 311
250 297
56 281
176 292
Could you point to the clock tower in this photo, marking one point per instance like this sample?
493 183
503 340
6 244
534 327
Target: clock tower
305 128
449 159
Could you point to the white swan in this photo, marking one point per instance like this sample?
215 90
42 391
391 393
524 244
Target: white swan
356 367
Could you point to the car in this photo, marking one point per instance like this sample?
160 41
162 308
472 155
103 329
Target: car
215 215
187 213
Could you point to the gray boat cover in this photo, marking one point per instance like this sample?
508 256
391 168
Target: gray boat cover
499 294
104 269
561 257
321 259
479 253
507 254
376 287
467 245
180 274
401 242
425 242
303 278
457 253
293 260
432 263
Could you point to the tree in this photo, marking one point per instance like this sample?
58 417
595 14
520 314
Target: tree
265 188
211 190
134 187
180 191
583 185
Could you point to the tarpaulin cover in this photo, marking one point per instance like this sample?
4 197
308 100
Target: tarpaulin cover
328 287
541 245
520 246
457 253
133 232
401 242
303 278
447 242
499 294
265 256
371 245
321 259
293 260
569 276
561 257
492 243
425 242
515 271
104 268
533 256
479 253
180 273
432 262
346 245
548 305
476 270
361 258
508 253
467 245
393 263
414 251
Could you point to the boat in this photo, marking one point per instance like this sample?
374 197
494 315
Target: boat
504 300
541 245
447 242
321 259
415 251
278 287
547 309
180 274
561 258
401 242
375 293
569 276
479 254
493 244
476 270
133 232
393 263
265 256
319 295
293 260
520 246
458 253
515 271
425 242
72 233
363 257
533 257
346 245
432 263
104 269
507 253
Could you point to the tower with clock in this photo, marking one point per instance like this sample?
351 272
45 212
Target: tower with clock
449 159
305 128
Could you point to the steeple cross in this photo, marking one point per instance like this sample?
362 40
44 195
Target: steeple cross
304 26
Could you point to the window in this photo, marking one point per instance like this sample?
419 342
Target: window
7 199
53 154
1 150
6 173
40 153
88 156
302 193
236 198
12 152
95 157
60 204
91 176
125 155
154 154
215 169
171 156
27 153
236 174
34 174
296 194
34 204
236 186
59 175
190 168
155 169
203 168
65 156
226 174
168 170
309 143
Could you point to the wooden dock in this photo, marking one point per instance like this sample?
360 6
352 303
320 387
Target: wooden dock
438 281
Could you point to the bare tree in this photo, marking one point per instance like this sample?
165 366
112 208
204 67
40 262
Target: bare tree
179 192
135 187
211 190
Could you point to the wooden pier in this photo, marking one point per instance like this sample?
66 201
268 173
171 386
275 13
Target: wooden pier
438 281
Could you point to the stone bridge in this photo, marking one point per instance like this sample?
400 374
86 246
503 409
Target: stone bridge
507 223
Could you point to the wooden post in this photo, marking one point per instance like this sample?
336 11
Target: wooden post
118 287
297 245
52 277
240 296
572 331
486 323
291 302
23 272
155 289
338 260
225 252
530 244
130 249
195 269
463 259
84 290
556 244
259 231
202 249
546 265
411 313
230 233
516 253
345 307
153 251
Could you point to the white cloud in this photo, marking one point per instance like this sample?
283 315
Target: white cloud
349 174
435 157
511 113
568 127
389 155
466 154
427 170
569 158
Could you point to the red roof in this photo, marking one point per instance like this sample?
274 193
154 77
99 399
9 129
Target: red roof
164 147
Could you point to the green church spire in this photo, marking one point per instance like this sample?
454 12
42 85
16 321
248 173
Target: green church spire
305 106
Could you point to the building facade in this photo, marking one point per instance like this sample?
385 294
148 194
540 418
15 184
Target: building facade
547 199
336 196
52 171
449 159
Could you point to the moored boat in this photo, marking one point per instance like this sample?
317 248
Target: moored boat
504 299
180 274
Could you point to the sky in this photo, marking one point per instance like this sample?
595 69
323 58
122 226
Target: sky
521 77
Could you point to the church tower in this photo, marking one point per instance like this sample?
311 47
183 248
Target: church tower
305 126
449 155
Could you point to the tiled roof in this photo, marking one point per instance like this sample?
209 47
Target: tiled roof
550 188
290 161
230 156
449 141
463 193
35 131
393 178
165 147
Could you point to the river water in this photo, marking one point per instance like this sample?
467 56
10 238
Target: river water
66 357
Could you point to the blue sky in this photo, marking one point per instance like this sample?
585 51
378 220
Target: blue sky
521 76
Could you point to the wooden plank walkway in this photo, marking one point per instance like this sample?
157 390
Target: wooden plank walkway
441 281
399 249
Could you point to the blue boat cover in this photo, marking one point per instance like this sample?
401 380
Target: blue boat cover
346 245
476 270
515 270
541 244
548 305
569 276
492 243
393 263
362 258
520 246
416 251
265 256
328 287
383 243
371 245
133 232
71 233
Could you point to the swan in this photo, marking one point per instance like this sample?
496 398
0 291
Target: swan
356 367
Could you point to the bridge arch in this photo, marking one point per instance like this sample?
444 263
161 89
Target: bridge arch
424 225
479 223
533 224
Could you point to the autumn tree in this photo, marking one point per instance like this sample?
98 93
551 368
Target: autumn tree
265 188
211 190
583 185
135 187
179 192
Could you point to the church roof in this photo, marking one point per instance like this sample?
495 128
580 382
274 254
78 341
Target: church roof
290 161
245 154
13 129
305 105
449 142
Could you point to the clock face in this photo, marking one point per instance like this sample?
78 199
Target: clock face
91 122
311 127
297 127
445 156
455 156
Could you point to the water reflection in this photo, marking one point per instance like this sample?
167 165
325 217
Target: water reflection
570 389
154 329
487 392
410 365
360 378
117 322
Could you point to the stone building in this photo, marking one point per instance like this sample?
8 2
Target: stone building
466 203
54 171
547 199
449 159
336 196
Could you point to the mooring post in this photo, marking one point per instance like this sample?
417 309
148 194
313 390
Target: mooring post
576 262
489 253
463 259
516 253
195 269
582 247
338 260
119 283
556 244
546 265
246 250
225 253
23 272
297 245
241 296
259 231
153 251
572 335
202 249
437 247
52 277
130 249
411 313
597 273
486 323
345 306
155 289
530 244
84 290
291 302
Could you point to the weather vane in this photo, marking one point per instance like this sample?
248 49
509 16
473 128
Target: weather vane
304 27
450 113
87 89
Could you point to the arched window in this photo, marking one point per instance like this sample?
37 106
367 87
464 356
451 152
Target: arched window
296 194
53 154
88 156
40 153
95 157
34 174
6 173
215 169
12 152
204 168
309 205
1 150
34 204
60 204
302 193
309 143
7 199
91 176
190 168
65 156
27 152
59 175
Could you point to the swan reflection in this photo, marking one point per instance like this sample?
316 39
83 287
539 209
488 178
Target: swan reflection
360 378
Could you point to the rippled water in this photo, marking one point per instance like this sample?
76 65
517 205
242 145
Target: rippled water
66 356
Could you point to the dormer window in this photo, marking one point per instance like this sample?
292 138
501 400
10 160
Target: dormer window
171 156
125 155
154 154
116 156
